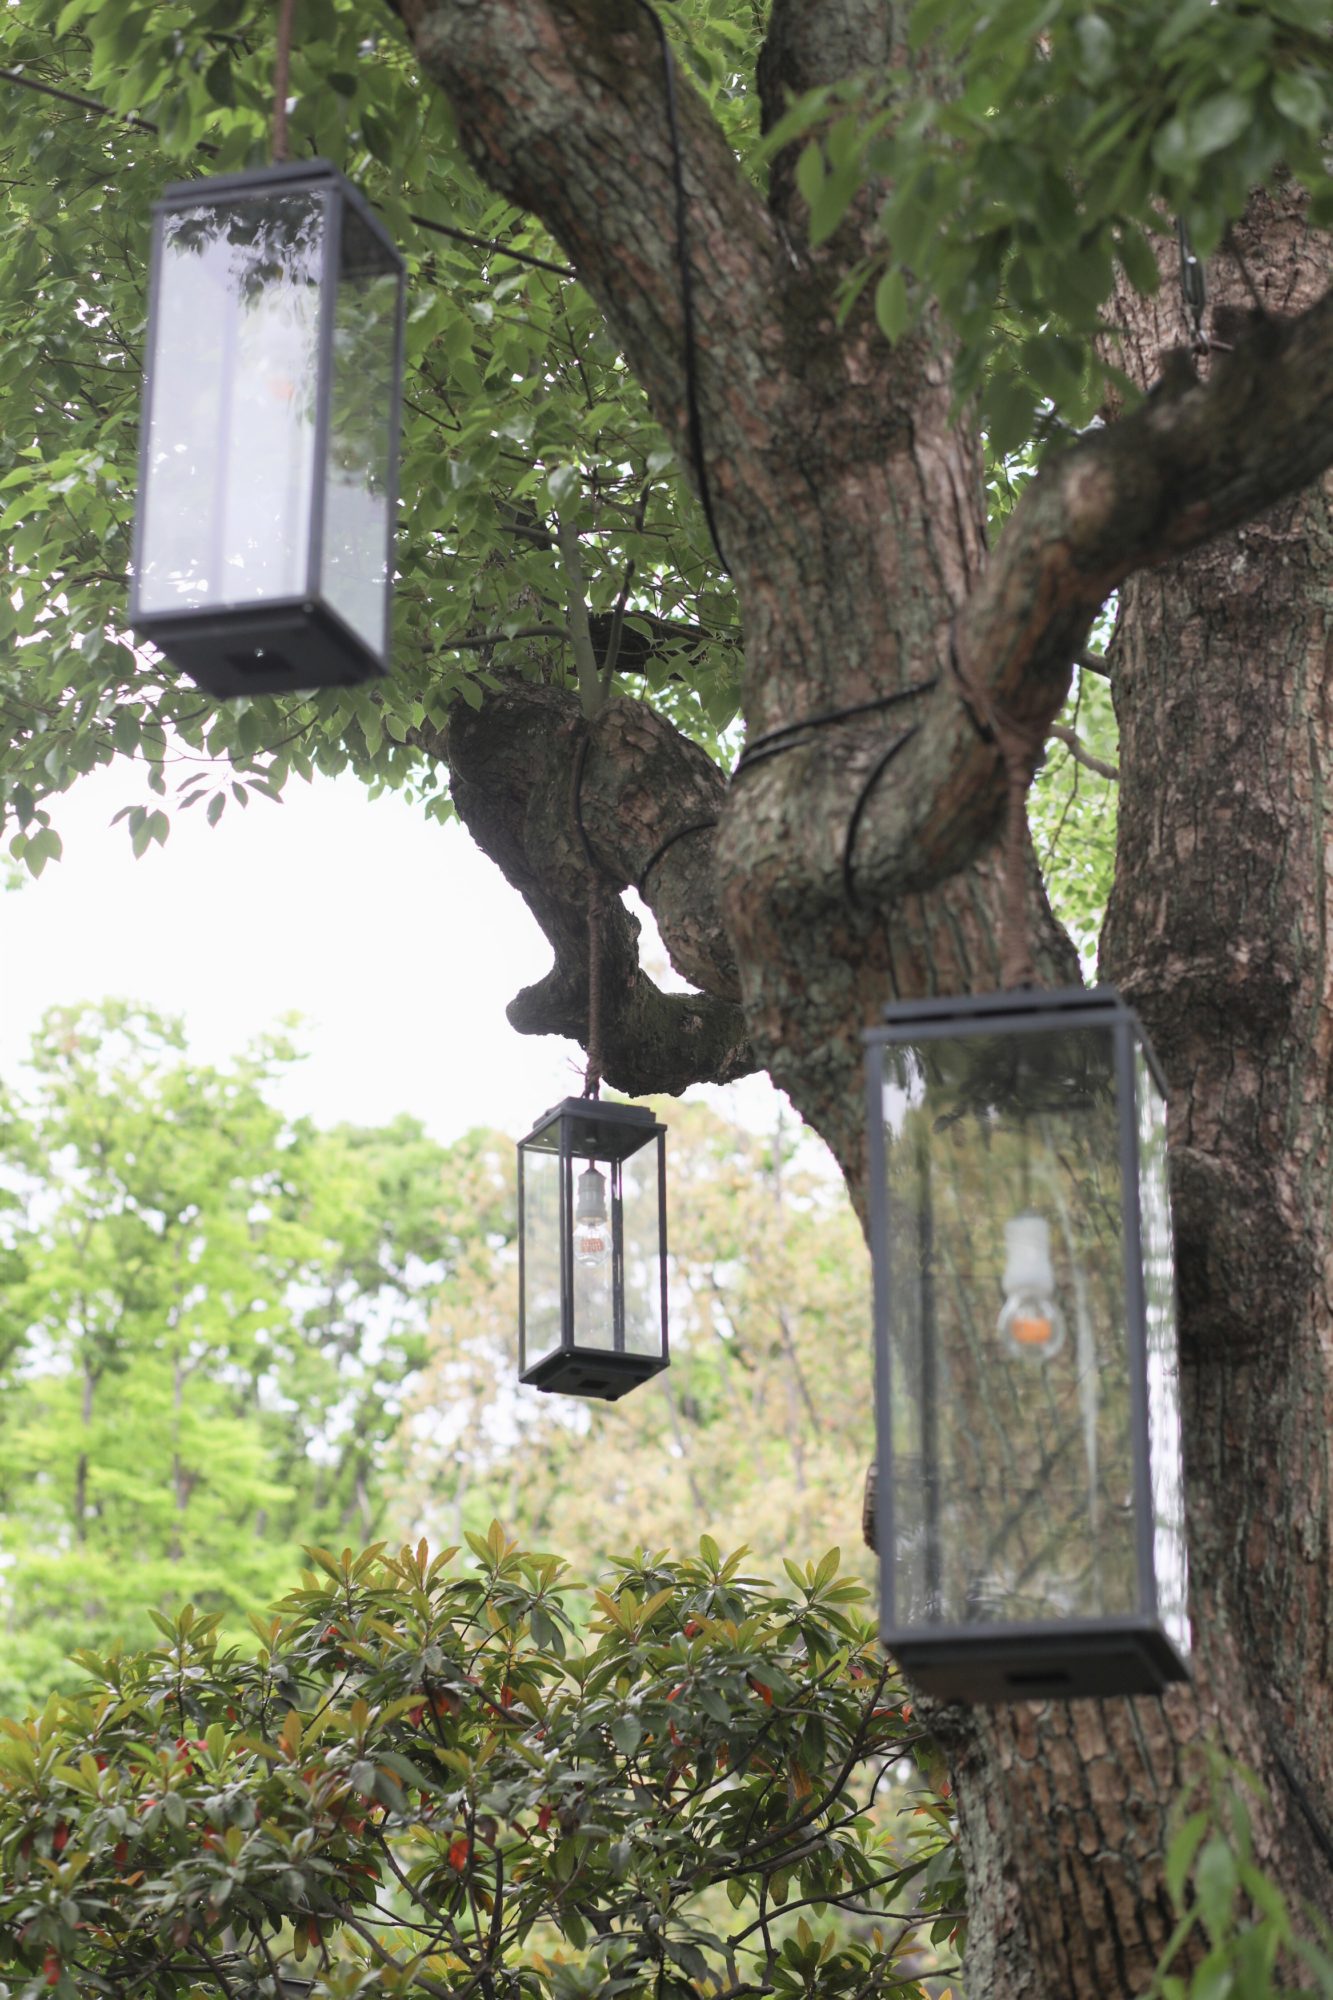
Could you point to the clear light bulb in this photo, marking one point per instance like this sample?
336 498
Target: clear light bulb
592 1232
1031 1324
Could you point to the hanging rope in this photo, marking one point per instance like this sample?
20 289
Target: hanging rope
282 63
592 1075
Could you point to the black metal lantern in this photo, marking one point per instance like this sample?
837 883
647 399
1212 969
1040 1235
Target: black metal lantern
1029 1495
592 1249
268 456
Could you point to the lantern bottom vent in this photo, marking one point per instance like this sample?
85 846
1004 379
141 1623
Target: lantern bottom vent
589 1371
1105 1658
279 649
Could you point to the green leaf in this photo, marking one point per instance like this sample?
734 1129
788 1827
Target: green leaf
1137 259
1180 1855
1008 404
1215 1887
1219 121
810 173
563 483
627 1734
892 306
1299 97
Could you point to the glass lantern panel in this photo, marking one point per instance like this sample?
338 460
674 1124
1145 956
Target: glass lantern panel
1012 1439
358 475
543 1224
594 1255
1170 1561
642 1230
231 437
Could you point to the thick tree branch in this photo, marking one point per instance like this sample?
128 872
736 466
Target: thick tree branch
1189 463
512 764
561 105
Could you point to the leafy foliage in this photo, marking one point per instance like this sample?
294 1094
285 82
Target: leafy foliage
519 413
1251 1932
427 1781
1034 145
208 1318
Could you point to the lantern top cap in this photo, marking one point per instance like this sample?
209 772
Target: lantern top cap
1014 1000
1017 1003
596 1110
1019 1008
290 175
615 1130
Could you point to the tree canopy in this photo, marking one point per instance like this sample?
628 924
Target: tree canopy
994 311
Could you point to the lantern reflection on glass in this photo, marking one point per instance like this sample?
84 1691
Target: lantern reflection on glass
268 455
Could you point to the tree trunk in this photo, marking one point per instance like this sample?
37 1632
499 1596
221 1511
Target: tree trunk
859 861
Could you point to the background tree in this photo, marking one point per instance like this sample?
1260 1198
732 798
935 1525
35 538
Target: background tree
757 1432
209 1316
954 202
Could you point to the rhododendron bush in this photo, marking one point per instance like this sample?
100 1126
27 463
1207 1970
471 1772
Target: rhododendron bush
446 1777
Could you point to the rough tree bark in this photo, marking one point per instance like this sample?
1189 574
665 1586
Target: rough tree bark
851 510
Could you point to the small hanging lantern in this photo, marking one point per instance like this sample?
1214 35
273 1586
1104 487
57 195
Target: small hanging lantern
592 1249
1029 1495
268 456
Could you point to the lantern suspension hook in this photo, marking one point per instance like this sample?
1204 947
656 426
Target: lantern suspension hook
282 64
1193 287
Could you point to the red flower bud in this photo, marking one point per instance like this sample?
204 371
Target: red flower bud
51 1967
459 1851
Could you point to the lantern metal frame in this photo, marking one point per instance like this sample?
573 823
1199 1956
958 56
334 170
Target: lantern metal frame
614 1133
293 643
1062 1658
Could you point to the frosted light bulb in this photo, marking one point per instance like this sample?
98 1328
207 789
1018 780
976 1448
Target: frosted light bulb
1030 1323
592 1232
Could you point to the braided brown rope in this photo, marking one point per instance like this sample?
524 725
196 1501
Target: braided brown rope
282 64
592 1075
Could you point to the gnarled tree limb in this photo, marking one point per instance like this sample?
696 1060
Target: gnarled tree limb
512 765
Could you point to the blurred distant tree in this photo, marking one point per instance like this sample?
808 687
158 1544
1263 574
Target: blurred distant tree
757 1431
208 1316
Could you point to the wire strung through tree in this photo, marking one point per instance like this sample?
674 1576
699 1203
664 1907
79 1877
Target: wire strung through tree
1019 744
686 288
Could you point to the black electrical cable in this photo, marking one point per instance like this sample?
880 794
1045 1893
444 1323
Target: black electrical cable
775 741
89 104
580 760
490 245
983 729
880 766
487 243
691 826
686 288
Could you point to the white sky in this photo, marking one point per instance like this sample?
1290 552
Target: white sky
395 938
